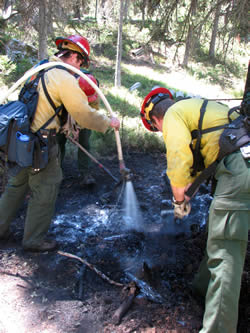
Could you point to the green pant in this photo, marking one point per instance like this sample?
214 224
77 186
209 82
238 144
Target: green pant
84 161
219 276
44 186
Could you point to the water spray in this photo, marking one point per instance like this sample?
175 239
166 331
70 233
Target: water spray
132 214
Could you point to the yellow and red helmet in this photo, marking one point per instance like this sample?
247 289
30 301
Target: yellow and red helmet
88 89
155 96
74 43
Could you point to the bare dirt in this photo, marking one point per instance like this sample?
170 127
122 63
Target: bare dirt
51 293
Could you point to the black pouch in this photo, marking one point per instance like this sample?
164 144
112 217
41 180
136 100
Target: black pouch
25 143
11 146
41 152
44 157
234 136
16 150
198 164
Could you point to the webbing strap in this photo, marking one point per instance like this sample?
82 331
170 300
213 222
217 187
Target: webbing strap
206 173
199 133
194 133
209 171
10 128
56 109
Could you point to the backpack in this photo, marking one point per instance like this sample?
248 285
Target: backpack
18 145
235 135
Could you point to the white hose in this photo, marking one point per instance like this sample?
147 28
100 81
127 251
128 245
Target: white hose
35 70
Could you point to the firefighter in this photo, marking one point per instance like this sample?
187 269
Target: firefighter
219 276
84 162
63 88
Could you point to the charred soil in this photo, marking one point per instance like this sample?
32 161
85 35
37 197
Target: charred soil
52 293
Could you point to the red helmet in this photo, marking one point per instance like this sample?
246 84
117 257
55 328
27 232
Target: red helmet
75 43
154 97
88 89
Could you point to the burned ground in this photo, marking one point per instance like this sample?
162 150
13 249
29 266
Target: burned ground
53 293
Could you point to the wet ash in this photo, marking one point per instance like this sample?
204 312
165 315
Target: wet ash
89 223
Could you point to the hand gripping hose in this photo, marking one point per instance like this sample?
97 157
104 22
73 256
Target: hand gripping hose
32 71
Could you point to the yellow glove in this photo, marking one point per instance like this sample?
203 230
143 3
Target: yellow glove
181 209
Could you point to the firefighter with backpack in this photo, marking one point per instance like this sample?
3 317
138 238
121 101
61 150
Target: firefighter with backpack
219 276
59 90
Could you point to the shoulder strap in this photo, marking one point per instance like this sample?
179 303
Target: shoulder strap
47 94
56 109
206 173
194 133
198 137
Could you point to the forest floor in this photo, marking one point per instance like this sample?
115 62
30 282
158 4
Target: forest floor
52 293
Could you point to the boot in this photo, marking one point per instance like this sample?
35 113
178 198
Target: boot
44 246
88 180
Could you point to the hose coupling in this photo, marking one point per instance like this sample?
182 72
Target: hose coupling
126 174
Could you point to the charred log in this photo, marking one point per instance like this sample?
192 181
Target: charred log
126 304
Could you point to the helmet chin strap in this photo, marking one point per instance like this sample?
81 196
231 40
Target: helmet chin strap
35 70
157 123
152 103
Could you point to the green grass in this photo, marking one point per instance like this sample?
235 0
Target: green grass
126 104
12 71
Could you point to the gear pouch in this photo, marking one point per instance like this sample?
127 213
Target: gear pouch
24 149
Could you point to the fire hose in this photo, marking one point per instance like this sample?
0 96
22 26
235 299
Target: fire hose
123 170
92 158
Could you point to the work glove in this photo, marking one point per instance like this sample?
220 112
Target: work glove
181 209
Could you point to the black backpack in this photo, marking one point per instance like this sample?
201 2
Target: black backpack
235 135
18 145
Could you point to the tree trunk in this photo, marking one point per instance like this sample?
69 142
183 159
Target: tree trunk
214 32
96 9
119 49
43 49
143 12
105 11
77 9
189 39
188 46
126 10
50 12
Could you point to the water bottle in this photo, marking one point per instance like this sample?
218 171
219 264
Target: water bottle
22 137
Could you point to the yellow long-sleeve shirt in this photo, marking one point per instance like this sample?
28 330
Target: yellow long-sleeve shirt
178 123
63 88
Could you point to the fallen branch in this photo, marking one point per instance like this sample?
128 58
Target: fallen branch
126 304
82 273
92 267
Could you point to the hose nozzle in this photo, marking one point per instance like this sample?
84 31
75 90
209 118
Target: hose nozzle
126 174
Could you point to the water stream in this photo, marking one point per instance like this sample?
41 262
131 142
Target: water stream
132 214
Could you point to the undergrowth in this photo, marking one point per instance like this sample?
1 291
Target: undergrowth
125 103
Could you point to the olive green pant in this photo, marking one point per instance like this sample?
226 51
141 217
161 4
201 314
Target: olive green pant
84 161
220 273
44 186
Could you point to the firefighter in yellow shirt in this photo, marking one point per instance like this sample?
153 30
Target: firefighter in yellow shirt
63 88
219 276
